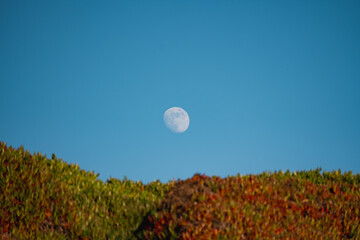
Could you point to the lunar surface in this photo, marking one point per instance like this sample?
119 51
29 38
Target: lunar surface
176 119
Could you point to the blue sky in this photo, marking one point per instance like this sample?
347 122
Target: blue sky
268 85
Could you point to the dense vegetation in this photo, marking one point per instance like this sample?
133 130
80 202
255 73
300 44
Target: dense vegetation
49 199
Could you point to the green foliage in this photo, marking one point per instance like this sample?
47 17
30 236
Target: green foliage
50 199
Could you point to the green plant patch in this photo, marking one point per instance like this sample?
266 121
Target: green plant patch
50 199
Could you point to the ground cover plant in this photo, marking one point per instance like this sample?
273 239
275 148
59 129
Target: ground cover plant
49 199
302 205
45 198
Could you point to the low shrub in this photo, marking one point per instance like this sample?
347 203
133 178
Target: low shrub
45 198
303 205
50 199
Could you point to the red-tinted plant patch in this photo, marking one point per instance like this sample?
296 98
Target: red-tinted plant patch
268 206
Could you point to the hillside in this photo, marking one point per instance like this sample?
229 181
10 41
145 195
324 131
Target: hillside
49 199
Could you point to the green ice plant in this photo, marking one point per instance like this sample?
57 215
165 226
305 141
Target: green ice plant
51 199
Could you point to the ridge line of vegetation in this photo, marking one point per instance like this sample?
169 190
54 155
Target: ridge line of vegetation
50 199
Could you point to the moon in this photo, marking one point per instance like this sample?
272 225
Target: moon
176 119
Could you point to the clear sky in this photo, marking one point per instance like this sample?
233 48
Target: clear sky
268 85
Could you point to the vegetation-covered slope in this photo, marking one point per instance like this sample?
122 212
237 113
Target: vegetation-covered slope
49 199
303 205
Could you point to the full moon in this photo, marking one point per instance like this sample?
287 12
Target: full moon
176 119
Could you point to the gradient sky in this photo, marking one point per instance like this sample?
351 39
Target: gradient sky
268 85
